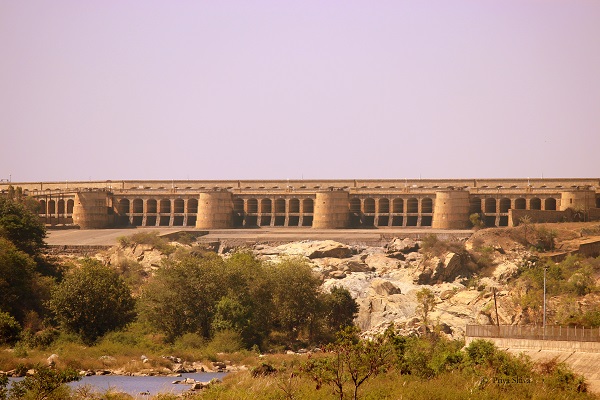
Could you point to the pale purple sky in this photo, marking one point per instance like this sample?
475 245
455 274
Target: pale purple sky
299 89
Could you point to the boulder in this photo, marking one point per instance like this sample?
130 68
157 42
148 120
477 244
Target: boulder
405 246
385 288
338 275
315 249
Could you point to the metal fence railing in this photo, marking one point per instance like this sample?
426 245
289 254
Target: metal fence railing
550 332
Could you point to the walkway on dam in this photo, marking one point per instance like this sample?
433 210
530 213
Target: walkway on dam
109 237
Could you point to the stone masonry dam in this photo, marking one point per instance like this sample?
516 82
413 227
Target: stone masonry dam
321 204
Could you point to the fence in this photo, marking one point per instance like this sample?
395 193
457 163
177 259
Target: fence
551 332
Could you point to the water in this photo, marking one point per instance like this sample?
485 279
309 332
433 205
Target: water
136 385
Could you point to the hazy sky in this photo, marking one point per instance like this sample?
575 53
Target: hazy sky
291 89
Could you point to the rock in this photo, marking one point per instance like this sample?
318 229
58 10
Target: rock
444 327
441 270
329 248
384 288
316 249
263 370
381 263
107 360
338 275
357 266
505 271
219 365
397 255
52 360
405 246
189 381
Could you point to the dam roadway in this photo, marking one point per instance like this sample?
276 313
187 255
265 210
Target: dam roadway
108 237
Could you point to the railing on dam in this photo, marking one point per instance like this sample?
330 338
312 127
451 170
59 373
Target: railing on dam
550 332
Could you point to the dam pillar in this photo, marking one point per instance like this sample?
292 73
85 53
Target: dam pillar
215 210
578 200
331 210
92 210
451 210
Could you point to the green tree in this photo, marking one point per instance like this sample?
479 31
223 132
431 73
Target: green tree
296 300
10 330
21 226
45 384
182 296
17 272
341 309
92 300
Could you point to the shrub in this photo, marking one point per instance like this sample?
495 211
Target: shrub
10 330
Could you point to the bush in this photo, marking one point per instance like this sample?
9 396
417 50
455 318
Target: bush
10 330
92 301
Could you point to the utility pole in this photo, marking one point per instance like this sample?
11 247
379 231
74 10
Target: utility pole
544 321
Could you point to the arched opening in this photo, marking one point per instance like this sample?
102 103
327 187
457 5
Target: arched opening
138 206
42 207
535 204
123 207
294 206
426 205
384 206
70 205
520 204
550 204
504 205
178 206
308 206
238 205
192 206
265 206
475 205
151 206
369 205
490 205
61 206
398 206
412 205
165 206
280 206
51 207
238 212
355 205
252 206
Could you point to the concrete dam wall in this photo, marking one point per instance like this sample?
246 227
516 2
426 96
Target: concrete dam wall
322 204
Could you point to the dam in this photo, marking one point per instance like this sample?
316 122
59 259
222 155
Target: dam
321 204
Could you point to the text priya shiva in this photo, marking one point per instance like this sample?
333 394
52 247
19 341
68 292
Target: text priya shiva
511 380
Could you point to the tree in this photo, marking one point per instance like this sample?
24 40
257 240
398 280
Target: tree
21 226
92 301
45 384
350 360
17 272
296 299
426 300
182 296
341 308
9 329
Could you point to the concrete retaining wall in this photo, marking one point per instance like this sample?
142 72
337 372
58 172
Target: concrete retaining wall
529 344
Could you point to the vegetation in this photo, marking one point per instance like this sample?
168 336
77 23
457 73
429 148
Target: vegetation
199 306
391 366
426 303
280 304
91 301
